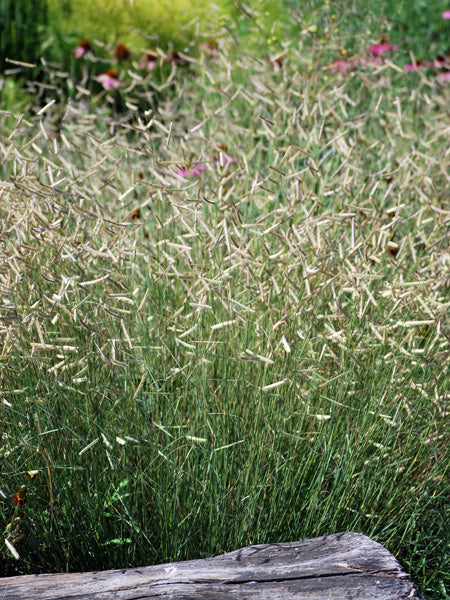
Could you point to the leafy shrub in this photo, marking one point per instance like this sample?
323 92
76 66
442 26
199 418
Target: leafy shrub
126 20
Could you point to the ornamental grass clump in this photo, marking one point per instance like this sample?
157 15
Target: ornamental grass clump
227 311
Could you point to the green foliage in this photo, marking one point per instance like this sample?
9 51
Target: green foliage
416 26
21 30
420 25
122 21
14 97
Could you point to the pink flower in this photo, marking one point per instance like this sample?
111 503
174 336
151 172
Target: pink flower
446 14
380 49
148 61
444 76
177 58
343 66
415 66
198 169
122 52
183 172
109 80
195 171
83 47
211 47
438 62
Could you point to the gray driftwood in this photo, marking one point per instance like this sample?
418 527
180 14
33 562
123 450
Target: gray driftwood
342 566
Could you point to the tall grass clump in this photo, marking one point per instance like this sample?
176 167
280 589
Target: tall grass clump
224 315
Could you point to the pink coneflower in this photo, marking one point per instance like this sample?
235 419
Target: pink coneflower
439 62
446 14
183 172
109 80
415 66
83 47
383 47
122 52
149 60
195 171
211 47
343 66
177 58
444 76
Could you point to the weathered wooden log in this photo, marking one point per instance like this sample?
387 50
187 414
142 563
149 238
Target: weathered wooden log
342 566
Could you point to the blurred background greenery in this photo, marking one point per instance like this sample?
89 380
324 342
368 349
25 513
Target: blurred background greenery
27 26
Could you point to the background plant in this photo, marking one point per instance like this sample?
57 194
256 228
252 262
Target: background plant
138 23
21 30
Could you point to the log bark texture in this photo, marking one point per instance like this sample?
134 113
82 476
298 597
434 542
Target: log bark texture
342 566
